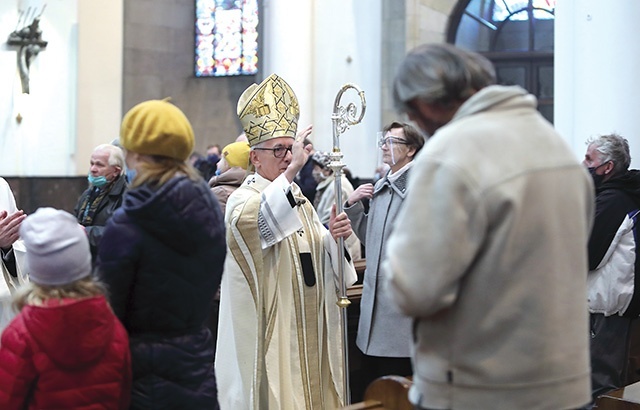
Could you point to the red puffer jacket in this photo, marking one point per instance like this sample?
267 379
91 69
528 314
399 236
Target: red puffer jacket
73 355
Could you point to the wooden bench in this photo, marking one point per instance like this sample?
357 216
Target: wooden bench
626 398
385 393
366 405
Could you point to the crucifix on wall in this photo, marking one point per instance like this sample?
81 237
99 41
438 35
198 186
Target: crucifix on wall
29 39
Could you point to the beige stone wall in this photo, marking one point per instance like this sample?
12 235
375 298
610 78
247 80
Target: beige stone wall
158 55
421 21
99 89
158 63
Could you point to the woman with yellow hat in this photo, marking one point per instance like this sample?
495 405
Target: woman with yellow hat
232 169
161 257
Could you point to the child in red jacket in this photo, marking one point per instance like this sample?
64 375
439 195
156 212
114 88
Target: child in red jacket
65 349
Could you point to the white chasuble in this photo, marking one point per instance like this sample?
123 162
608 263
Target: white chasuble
279 334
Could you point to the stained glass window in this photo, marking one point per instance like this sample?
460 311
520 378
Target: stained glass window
226 37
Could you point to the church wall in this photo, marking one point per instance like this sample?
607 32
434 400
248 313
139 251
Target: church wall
596 72
406 25
37 130
122 52
99 77
75 98
158 51
328 44
349 53
102 58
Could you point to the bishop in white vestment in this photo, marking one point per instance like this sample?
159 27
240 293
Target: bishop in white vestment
280 338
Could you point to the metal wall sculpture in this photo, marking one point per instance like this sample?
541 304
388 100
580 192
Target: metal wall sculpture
29 40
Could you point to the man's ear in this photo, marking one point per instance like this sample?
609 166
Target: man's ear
609 167
253 158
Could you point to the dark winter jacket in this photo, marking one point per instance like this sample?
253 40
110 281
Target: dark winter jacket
614 255
73 355
306 182
162 256
105 210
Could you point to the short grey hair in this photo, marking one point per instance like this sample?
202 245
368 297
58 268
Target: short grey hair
116 156
440 74
615 148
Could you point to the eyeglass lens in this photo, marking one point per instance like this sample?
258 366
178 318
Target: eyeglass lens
280 152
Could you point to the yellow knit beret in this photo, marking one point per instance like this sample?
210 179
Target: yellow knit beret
237 154
157 127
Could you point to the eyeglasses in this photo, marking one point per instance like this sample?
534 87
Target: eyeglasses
278 151
388 141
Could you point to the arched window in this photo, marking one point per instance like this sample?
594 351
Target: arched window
517 36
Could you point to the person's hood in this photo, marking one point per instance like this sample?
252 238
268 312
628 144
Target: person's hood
179 213
511 96
629 183
233 176
73 333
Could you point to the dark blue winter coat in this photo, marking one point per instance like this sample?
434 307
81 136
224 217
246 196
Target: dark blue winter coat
161 257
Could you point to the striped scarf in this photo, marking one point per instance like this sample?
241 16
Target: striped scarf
91 202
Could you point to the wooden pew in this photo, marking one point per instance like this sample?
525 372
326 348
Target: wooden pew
633 367
385 393
391 391
626 398
365 405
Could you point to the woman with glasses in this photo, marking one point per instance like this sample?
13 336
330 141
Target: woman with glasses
384 334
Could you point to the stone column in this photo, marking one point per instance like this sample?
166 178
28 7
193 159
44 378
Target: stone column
597 82
318 46
288 48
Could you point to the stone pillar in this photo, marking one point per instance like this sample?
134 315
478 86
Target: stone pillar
318 46
288 48
596 72
99 92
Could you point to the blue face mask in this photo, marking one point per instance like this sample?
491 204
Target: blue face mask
97 181
131 174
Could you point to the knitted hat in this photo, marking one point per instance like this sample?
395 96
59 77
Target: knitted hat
268 110
157 127
321 158
57 247
237 154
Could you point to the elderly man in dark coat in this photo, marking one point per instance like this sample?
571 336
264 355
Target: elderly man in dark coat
107 184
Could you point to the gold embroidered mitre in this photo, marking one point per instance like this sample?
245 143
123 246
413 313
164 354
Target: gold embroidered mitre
268 110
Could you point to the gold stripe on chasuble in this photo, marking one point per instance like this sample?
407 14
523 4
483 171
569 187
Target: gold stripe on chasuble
307 302
271 318
245 228
241 258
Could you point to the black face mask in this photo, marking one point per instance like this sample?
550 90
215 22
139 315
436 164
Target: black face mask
597 179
